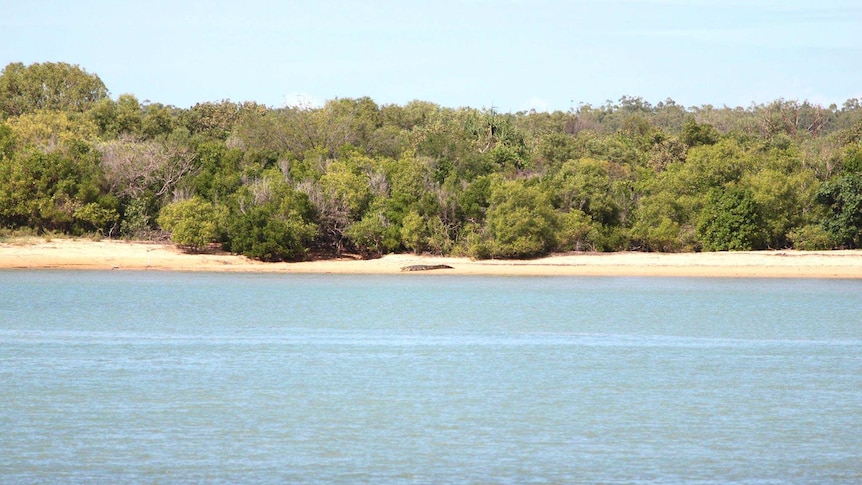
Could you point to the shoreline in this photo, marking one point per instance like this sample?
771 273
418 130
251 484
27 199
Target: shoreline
84 254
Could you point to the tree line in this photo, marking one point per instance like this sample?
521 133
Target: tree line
356 177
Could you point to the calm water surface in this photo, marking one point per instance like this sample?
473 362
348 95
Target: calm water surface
172 377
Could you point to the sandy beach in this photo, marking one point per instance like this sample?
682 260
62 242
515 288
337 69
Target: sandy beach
83 254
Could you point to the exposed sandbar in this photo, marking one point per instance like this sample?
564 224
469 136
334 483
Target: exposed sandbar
85 254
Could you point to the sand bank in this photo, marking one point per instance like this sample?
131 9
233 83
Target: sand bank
124 256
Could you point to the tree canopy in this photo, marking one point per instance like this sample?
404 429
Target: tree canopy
48 86
354 176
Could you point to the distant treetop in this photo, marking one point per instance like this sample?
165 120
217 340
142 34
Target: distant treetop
47 86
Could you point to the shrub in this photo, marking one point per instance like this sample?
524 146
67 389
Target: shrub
194 222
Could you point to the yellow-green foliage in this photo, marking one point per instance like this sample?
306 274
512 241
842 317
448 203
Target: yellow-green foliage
194 222
50 130
354 176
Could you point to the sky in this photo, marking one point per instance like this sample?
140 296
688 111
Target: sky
509 55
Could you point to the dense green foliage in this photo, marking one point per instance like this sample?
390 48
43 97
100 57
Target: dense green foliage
354 176
194 222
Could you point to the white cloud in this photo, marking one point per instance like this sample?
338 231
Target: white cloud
536 103
301 100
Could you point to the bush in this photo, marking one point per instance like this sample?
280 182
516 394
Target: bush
374 235
730 221
521 221
263 234
194 222
811 238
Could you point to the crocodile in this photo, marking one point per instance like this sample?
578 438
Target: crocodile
425 267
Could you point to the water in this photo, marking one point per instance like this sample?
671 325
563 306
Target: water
172 377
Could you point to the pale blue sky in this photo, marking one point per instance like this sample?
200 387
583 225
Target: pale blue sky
509 54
